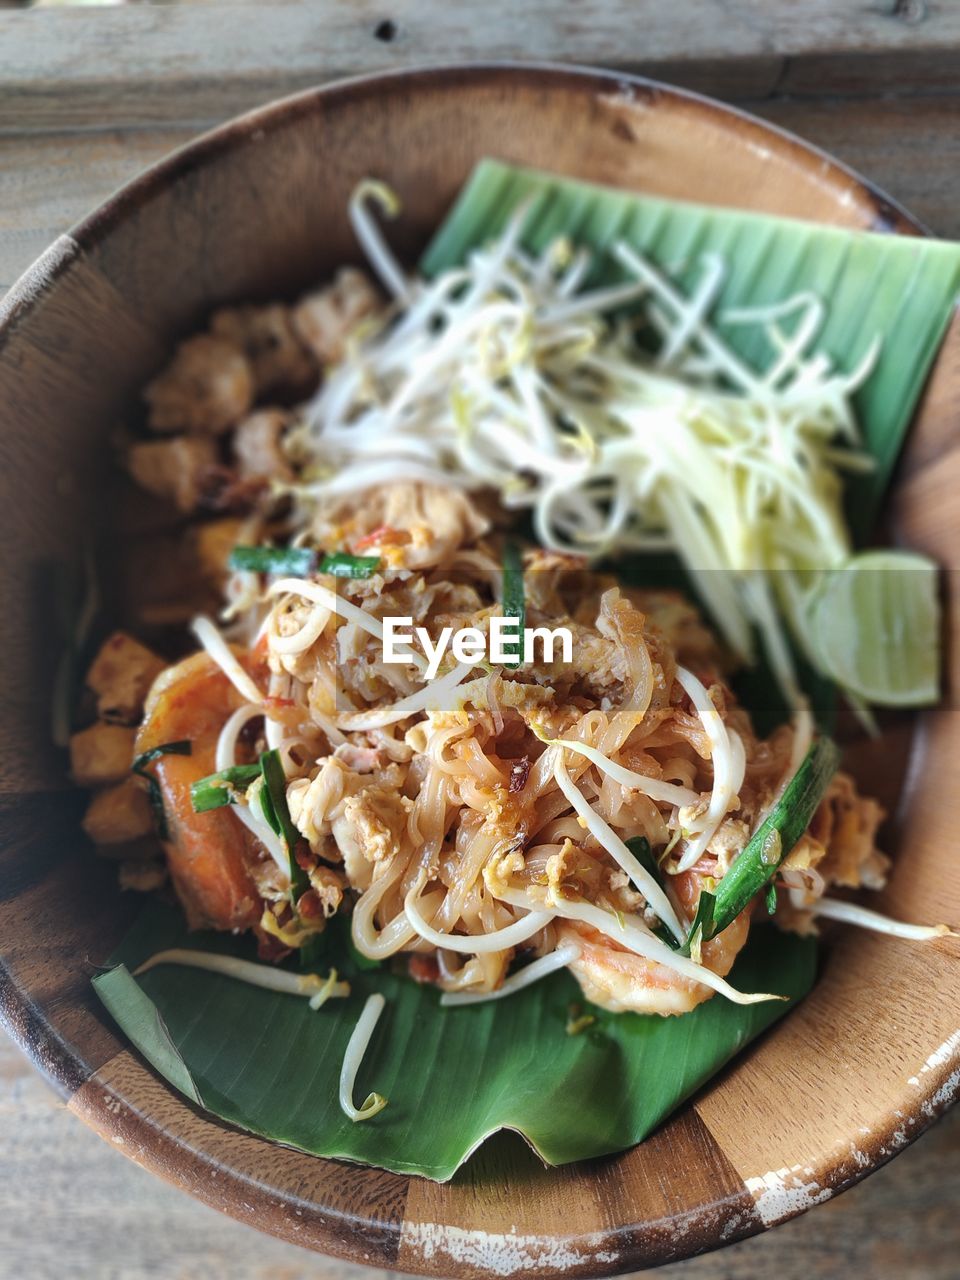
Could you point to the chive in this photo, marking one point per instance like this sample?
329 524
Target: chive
219 789
514 605
139 767
639 846
298 561
771 898
342 565
273 802
777 834
701 929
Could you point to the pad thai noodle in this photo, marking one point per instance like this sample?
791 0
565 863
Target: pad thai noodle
480 822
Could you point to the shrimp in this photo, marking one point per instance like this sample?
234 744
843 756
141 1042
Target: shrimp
619 980
209 854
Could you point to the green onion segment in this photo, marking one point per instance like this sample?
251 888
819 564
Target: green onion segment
771 842
298 562
219 789
514 603
273 802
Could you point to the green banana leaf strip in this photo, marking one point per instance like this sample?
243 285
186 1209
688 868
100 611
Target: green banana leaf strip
901 289
133 1010
270 1065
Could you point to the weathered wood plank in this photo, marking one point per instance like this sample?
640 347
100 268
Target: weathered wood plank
150 63
47 182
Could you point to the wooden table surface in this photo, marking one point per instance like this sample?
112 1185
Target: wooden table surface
88 97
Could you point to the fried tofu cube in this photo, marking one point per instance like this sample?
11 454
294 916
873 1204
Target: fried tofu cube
119 813
121 676
206 388
101 754
326 320
142 877
174 469
213 542
279 360
257 448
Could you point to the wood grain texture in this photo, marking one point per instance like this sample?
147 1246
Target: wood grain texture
871 1056
49 182
909 146
116 1219
132 64
62 377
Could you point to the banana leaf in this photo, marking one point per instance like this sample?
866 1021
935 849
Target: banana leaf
452 1077
898 289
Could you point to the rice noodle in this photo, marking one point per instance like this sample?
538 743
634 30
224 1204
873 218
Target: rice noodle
431 697
664 792
498 940
609 840
728 767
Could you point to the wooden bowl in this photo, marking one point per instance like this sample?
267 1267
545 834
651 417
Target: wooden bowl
257 209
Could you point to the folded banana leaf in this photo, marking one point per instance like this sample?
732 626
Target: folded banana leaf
899 289
452 1077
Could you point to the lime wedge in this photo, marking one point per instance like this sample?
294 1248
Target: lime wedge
875 627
